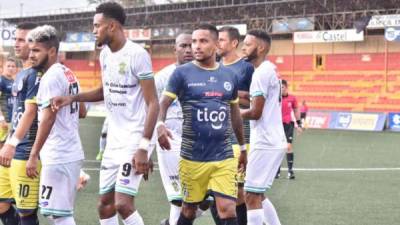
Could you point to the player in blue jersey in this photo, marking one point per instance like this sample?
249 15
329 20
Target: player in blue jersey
14 183
228 39
6 82
208 96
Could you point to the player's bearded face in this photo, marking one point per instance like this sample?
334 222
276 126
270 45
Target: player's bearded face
39 55
249 48
203 45
100 29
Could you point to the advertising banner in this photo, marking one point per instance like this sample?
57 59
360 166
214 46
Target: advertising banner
328 36
358 121
392 33
319 120
382 21
394 121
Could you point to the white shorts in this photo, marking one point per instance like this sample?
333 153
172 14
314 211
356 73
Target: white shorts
58 187
117 173
261 169
168 162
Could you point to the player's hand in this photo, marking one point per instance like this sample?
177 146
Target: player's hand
141 163
6 155
3 125
151 169
242 162
163 137
31 167
60 101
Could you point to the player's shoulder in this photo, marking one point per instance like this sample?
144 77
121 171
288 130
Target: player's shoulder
134 48
244 63
168 70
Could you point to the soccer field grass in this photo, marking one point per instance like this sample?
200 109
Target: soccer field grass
342 178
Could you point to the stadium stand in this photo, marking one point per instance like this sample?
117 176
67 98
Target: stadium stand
345 82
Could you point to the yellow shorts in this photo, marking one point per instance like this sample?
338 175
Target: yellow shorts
16 186
3 133
236 152
200 178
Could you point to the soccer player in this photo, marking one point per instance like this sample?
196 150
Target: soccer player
129 93
57 139
14 183
228 39
168 161
289 107
267 138
103 140
208 96
6 103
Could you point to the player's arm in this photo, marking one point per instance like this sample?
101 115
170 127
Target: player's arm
88 96
296 112
24 122
162 132
237 126
82 110
244 98
175 84
45 125
256 109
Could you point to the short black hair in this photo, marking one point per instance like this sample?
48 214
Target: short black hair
26 26
260 34
112 10
233 32
205 26
284 83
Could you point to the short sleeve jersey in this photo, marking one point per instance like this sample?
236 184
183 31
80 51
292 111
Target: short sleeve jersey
123 96
63 144
244 70
24 90
289 103
161 80
205 96
267 132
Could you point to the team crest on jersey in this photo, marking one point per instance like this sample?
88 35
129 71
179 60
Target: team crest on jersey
228 86
122 68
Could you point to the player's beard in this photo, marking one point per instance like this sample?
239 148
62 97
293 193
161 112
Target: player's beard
253 55
42 64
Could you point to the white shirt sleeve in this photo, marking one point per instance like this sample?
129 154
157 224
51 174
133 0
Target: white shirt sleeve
142 65
51 85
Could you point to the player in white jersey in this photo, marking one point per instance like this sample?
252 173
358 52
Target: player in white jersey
267 138
129 93
168 161
57 138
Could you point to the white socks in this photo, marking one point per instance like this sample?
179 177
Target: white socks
255 217
134 219
110 221
270 215
174 214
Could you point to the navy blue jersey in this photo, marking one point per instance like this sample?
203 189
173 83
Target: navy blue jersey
6 99
205 96
244 70
25 88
